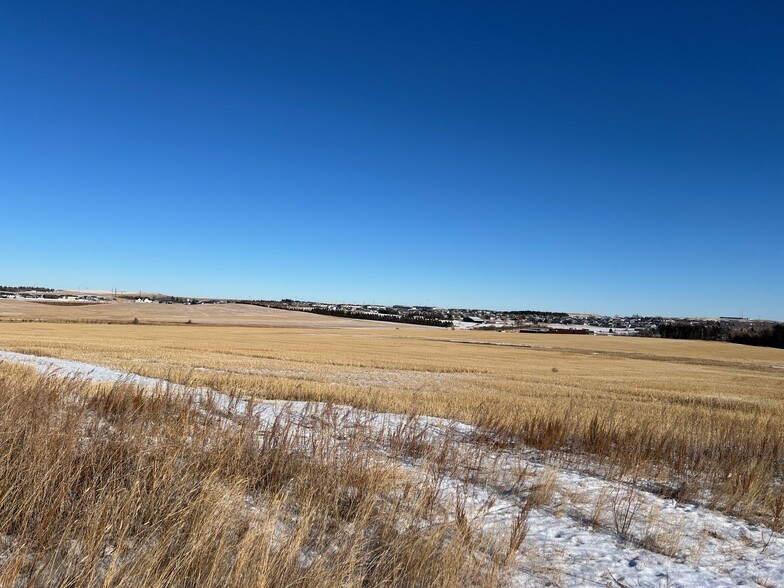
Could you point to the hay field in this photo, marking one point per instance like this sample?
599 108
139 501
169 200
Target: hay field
652 423
675 407
123 486
203 314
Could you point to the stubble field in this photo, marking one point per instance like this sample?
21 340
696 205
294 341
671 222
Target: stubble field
655 424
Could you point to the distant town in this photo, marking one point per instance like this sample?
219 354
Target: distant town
728 328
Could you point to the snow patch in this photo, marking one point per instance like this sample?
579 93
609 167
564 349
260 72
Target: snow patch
571 541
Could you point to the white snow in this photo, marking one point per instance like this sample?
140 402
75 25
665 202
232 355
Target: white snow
666 543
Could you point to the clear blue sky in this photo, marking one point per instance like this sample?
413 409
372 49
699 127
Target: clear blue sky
581 156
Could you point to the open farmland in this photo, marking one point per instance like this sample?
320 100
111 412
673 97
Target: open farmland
666 456
203 314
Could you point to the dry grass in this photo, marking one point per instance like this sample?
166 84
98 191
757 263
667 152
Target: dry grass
114 486
698 421
124 312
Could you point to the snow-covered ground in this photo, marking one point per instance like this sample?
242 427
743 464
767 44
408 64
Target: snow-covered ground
595 330
589 531
467 326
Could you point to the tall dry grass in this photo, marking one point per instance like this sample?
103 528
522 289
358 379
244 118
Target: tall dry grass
691 420
731 462
115 486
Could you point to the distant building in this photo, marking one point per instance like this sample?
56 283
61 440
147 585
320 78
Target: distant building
567 331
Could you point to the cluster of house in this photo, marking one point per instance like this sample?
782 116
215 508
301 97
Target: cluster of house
177 301
55 297
465 318
526 321
61 297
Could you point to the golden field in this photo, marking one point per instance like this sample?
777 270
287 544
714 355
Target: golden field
204 314
116 485
707 419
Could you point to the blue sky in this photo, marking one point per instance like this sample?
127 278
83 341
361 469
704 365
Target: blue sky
606 157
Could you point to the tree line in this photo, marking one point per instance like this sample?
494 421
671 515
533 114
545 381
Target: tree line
390 318
25 289
545 313
772 336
